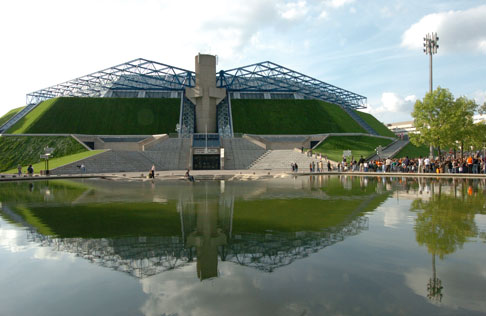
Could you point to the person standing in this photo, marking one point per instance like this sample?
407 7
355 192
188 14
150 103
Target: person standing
469 164
387 165
19 170
427 164
361 163
152 172
30 170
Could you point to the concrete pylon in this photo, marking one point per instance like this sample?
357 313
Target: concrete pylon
205 96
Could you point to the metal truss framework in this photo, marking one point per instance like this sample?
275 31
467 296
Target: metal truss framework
270 77
145 75
139 75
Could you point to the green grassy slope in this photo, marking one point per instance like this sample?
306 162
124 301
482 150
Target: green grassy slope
109 116
23 150
413 151
9 115
57 162
359 145
290 117
375 124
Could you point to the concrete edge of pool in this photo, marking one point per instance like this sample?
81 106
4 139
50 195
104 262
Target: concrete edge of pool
229 175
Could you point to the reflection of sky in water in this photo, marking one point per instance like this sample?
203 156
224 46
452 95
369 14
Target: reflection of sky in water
380 270
13 239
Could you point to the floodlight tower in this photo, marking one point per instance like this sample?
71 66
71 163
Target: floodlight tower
430 48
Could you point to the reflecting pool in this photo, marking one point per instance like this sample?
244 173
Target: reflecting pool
318 245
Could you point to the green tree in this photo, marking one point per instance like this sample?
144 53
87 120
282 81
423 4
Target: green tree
478 134
465 129
441 120
482 108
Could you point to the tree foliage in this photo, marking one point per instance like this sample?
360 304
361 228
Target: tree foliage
443 121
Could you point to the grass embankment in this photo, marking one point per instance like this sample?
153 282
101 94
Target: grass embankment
364 146
108 116
9 115
375 124
57 162
413 151
25 150
290 117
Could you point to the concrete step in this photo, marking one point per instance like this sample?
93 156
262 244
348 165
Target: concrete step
282 159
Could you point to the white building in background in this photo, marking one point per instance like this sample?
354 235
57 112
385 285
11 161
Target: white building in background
401 127
479 118
407 127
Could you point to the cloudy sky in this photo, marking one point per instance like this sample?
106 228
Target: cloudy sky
373 48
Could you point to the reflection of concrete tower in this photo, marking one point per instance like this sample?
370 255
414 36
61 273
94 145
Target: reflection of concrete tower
205 95
209 229
207 238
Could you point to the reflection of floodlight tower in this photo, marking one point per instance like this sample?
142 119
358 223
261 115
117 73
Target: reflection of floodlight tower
430 48
434 287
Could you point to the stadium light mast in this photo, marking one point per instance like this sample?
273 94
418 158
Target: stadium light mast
430 48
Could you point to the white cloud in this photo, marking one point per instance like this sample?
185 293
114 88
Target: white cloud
458 31
338 3
294 10
323 15
392 107
392 102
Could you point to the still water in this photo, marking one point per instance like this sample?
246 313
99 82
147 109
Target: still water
320 245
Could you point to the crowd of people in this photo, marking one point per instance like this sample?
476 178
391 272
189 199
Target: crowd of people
472 163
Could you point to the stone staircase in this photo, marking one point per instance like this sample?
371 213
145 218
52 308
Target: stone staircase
240 153
391 150
359 120
281 159
17 117
109 161
171 154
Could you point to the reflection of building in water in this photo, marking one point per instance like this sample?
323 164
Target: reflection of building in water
206 235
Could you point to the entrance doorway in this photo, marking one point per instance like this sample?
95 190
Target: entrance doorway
206 162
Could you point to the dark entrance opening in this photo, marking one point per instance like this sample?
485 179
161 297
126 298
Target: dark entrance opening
313 143
89 144
206 162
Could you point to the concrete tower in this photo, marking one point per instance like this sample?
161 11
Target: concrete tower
205 95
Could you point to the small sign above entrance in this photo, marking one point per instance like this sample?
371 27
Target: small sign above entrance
206 151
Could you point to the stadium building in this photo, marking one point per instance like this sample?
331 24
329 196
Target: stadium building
205 126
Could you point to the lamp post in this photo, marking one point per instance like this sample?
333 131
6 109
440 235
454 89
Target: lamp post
430 48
